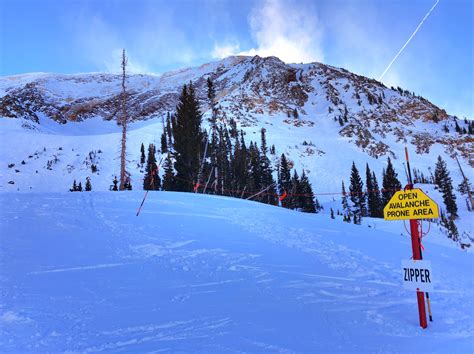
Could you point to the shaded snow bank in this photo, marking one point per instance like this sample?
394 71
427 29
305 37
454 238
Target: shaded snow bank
81 272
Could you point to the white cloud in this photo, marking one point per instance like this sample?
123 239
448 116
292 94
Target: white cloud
225 50
97 42
287 30
156 42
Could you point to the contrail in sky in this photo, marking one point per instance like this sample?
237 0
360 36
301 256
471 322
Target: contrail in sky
408 41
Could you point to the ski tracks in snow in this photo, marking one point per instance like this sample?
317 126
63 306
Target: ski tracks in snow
233 276
176 334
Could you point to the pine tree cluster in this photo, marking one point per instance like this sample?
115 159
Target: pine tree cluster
78 187
360 202
295 192
463 130
220 161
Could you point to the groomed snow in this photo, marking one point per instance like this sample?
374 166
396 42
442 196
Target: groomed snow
79 272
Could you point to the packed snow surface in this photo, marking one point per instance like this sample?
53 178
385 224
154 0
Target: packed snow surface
81 272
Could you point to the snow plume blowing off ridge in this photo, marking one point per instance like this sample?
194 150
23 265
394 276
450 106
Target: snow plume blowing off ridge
283 29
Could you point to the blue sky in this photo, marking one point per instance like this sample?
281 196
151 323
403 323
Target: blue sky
70 36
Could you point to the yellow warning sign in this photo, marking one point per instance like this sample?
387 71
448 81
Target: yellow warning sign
410 204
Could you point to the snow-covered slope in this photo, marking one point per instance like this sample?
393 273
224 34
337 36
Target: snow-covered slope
79 272
340 114
58 154
69 117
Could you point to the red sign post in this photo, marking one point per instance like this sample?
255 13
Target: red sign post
414 205
416 249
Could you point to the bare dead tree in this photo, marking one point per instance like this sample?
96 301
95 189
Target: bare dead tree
466 181
123 154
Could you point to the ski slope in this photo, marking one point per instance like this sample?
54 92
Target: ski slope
68 147
79 272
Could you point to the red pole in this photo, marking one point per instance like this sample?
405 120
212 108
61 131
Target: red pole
415 245
416 249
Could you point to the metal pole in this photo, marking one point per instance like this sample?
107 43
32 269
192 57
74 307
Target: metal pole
152 183
257 194
208 179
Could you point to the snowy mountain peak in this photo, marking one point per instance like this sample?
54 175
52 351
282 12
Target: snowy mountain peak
321 117
313 100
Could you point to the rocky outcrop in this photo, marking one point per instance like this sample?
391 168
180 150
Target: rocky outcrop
247 89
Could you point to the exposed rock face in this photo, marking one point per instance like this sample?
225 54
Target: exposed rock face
250 89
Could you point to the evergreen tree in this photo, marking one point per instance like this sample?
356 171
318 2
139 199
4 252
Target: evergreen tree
164 143
267 173
318 207
284 180
356 218
390 183
88 185
440 170
240 166
128 184
295 195
357 196
187 139
263 143
79 187
371 202
457 128
233 131
443 180
374 204
453 232
346 114
255 174
332 214
464 187
152 180
142 155
345 203
168 178
377 197
295 113
74 187
115 182
307 200
223 164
